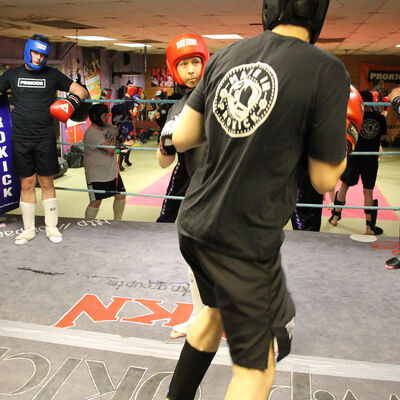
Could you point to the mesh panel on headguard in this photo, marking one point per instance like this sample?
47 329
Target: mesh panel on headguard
95 113
184 46
307 13
39 46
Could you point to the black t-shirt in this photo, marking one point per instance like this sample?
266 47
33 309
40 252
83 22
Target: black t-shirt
190 158
268 103
33 92
373 128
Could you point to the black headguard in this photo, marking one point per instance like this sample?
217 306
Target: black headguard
95 113
307 13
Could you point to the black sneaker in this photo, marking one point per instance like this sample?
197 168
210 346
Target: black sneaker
393 263
128 163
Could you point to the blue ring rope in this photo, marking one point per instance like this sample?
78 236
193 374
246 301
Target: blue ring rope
181 198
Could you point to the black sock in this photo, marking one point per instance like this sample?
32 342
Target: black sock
189 372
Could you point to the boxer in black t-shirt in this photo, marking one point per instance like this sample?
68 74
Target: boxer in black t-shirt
265 107
33 87
366 167
187 56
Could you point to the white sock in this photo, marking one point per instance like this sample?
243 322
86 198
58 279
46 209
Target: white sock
184 326
25 236
51 219
28 220
197 303
91 213
118 207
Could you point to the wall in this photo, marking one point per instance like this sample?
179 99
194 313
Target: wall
154 61
352 63
11 48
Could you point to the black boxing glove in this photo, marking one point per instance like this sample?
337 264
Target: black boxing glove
166 147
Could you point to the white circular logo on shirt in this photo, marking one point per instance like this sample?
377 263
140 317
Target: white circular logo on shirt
370 128
245 97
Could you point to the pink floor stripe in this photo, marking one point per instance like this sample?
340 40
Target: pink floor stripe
355 197
159 187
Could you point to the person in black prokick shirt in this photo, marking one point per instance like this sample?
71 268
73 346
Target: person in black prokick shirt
366 167
34 150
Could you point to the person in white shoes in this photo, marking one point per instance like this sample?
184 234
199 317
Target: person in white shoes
34 150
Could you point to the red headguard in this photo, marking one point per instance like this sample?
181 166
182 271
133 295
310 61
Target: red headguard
184 46
355 115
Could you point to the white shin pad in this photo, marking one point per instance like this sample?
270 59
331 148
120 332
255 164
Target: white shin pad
51 219
197 305
28 220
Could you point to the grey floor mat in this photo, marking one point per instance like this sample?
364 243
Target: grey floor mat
90 317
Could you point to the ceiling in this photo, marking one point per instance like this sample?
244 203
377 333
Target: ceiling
352 26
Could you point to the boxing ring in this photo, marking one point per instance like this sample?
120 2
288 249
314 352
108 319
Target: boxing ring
90 317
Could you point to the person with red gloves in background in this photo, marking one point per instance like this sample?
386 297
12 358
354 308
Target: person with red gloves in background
373 128
309 218
34 149
122 116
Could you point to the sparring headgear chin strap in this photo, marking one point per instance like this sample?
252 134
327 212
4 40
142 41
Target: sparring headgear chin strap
38 46
184 46
307 13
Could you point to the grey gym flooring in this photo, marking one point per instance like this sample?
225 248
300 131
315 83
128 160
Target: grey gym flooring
90 318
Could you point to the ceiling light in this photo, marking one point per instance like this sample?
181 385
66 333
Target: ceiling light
94 38
398 45
227 36
133 44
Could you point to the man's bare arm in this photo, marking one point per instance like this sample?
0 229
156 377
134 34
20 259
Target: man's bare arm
324 175
189 131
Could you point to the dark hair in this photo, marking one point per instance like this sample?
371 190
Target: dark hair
121 92
41 38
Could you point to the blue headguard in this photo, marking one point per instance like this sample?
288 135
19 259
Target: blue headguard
40 47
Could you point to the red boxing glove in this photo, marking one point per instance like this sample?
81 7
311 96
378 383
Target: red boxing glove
355 114
385 100
62 109
131 90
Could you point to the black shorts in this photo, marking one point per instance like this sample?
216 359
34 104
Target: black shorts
109 187
364 166
252 298
35 157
